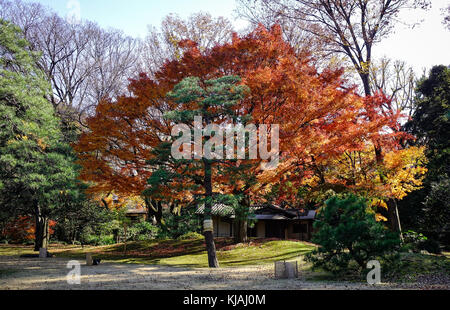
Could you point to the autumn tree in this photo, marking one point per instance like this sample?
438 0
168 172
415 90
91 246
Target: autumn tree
352 29
319 118
349 27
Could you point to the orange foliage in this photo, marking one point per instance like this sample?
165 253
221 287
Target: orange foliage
22 229
320 118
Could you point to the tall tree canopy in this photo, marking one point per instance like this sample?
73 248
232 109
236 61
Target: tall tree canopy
430 124
34 165
319 118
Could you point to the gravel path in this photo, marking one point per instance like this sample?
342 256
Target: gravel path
18 273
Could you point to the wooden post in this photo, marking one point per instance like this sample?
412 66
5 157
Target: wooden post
89 260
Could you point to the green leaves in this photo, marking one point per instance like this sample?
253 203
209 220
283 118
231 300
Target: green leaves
34 165
347 233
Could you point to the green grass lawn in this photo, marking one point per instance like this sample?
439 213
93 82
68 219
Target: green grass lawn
186 253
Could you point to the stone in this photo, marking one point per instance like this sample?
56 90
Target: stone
286 270
89 260
43 253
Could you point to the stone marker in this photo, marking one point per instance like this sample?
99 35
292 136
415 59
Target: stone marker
42 253
89 260
286 270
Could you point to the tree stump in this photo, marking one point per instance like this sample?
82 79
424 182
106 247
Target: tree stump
286 270
89 260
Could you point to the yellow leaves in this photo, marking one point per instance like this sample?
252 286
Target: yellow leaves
378 203
365 67
312 182
374 205
380 218
405 170
41 144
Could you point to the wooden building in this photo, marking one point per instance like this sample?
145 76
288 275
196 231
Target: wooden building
271 222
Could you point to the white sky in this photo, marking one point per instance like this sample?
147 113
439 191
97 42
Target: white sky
423 46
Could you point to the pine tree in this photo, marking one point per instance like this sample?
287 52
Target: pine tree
215 102
35 167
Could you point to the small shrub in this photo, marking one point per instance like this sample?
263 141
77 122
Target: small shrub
418 242
190 236
407 247
106 240
176 225
92 240
28 242
431 246
413 240
142 231
349 236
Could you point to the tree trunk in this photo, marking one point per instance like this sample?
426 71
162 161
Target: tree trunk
366 83
209 237
240 231
125 236
154 211
394 217
41 233
211 249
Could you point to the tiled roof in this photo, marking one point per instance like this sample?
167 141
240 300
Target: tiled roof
217 209
261 212
136 211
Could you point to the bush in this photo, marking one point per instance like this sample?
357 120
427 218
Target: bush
417 242
431 246
106 240
142 231
413 240
349 236
191 236
176 225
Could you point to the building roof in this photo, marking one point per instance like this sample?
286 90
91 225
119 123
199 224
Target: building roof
218 209
136 211
309 216
261 212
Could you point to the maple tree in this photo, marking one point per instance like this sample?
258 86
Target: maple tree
320 119
23 228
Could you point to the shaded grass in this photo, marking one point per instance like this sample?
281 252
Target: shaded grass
408 269
183 253
414 265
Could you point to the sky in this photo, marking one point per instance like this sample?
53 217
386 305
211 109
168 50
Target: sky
422 47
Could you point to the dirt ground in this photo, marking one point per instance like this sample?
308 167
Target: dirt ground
51 274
